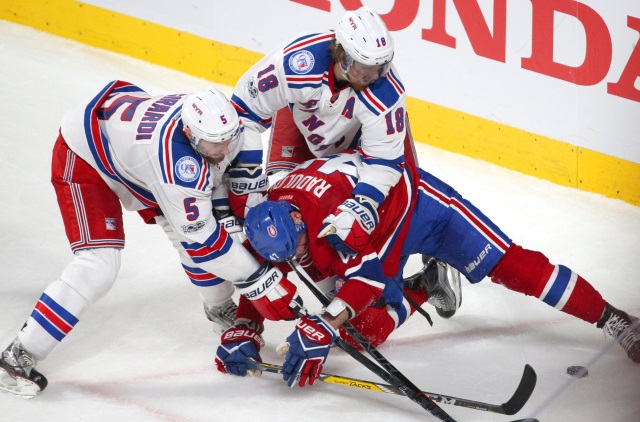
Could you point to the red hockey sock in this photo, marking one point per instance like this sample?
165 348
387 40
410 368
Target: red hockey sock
531 273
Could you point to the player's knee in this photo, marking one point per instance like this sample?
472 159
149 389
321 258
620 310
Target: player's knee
522 270
93 272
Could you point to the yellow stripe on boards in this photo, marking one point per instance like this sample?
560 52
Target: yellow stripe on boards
448 129
525 152
611 176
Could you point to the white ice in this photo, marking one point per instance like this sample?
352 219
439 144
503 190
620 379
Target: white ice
145 352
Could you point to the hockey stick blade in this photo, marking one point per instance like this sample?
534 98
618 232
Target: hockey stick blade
511 407
523 392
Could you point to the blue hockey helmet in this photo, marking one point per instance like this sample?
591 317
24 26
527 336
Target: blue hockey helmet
271 230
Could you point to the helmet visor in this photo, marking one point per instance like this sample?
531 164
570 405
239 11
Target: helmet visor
364 74
215 149
365 71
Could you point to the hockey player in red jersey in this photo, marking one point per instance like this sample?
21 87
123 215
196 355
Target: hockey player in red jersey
423 216
176 159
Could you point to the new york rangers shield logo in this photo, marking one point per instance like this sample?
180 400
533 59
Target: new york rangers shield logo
187 169
301 62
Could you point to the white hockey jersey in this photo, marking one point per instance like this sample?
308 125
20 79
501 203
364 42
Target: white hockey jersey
137 145
300 76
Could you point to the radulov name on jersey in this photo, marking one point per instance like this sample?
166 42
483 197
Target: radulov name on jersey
312 184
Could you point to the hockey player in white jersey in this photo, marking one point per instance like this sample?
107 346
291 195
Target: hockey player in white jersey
170 158
327 92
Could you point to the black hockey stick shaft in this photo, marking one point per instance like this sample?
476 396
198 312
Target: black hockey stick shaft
505 408
387 371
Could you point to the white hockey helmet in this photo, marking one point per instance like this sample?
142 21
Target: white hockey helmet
365 38
210 117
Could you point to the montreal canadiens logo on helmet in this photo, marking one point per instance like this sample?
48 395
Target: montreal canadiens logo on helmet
301 62
273 232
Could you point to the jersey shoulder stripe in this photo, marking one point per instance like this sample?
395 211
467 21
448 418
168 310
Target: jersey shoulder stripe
306 60
307 41
380 98
383 94
395 81
98 142
181 165
245 112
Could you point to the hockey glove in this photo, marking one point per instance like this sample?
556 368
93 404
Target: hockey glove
231 224
247 189
348 228
272 294
238 344
308 349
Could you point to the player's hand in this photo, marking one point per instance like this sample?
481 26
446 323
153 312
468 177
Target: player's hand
271 293
348 228
237 344
247 189
232 224
308 349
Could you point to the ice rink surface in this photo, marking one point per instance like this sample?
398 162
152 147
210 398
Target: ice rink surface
145 352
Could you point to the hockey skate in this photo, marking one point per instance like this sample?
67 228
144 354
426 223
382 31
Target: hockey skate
223 316
624 328
441 282
18 374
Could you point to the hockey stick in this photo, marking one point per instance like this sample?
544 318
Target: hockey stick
510 407
387 372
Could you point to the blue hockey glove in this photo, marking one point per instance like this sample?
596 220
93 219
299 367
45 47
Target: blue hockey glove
348 228
308 349
238 344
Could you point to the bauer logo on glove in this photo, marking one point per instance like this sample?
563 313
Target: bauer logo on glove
312 332
363 214
348 228
246 334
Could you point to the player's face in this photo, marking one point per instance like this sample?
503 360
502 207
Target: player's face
361 75
303 238
214 153
303 244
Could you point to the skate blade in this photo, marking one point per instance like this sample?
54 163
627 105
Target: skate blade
18 386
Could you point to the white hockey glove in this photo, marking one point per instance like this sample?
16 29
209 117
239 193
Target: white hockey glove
271 293
231 223
349 227
247 188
